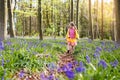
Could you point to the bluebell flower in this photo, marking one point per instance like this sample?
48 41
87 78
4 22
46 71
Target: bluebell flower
2 62
81 64
88 59
98 49
21 74
114 64
43 77
70 74
56 79
8 43
59 70
103 43
3 78
75 62
70 65
52 66
80 69
103 63
109 50
51 77
89 40
1 39
96 55
44 45
12 49
1 45
64 68
62 43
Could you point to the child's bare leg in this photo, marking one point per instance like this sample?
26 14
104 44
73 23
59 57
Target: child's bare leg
68 48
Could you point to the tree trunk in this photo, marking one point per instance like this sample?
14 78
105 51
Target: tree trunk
30 19
23 24
90 21
47 17
97 32
96 28
77 10
71 10
3 19
26 26
117 8
113 24
52 18
39 20
102 32
11 21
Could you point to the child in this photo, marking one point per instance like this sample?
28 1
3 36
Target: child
72 36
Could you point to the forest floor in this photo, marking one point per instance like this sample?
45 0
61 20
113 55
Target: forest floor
28 58
64 59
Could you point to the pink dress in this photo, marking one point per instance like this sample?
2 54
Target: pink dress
72 37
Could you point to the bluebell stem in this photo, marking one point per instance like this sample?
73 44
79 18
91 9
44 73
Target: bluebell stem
88 59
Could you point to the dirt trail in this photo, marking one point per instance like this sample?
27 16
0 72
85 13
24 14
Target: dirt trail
64 59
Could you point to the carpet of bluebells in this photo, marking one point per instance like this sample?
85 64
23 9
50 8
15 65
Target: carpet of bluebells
94 60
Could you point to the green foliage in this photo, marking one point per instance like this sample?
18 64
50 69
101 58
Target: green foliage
56 14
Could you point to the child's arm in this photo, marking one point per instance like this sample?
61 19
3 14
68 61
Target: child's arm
77 35
67 36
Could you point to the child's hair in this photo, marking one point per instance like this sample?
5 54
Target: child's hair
72 24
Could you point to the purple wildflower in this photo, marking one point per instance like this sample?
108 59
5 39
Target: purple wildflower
75 62
51 77
52 66
88 59
59 70
56 79
21 74
80 69
96 55
103 43
44 45
43 77
2 62
103 63
70 74
9 43
70 65
81 64
1 45
1 39
98 49
3 78
89 40
114 64
64 68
